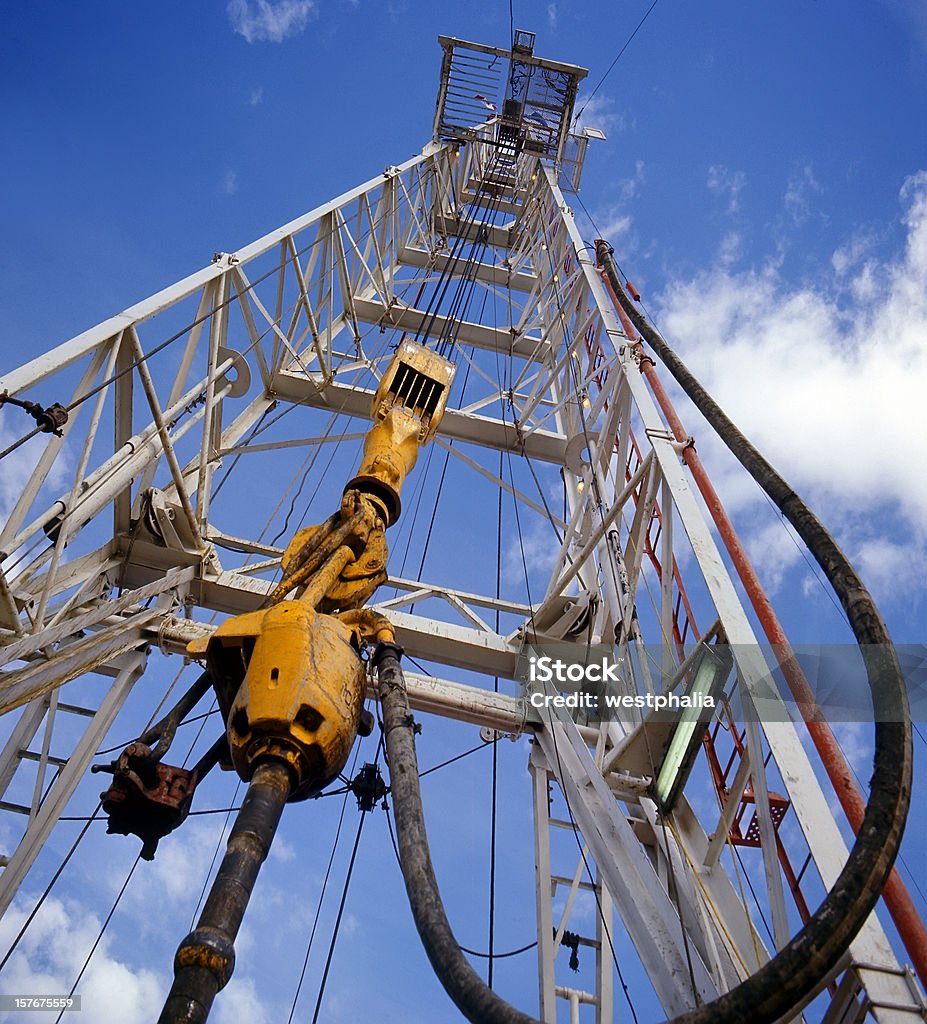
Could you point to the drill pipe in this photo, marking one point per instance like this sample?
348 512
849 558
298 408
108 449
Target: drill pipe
206 957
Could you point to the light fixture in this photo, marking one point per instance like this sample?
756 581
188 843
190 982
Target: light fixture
713 668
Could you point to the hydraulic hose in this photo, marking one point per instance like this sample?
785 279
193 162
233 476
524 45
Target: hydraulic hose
805 962
475 1000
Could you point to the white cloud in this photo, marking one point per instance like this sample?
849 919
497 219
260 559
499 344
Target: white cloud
856 741
851 255
282 851
552 15
241 1002
540 549
798 194
256 96
614 226
269 21
613 222
730 248
229 183
727 184
52 952
597 112
889 567
18 466
773 550
181 856
828 382
629 187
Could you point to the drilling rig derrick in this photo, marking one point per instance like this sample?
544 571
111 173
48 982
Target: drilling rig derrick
453 300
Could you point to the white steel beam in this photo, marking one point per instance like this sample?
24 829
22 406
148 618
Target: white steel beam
487 273
66 782
433 325
485 431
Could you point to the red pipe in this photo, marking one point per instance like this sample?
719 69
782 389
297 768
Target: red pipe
907 920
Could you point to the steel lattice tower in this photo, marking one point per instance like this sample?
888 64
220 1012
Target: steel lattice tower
127 539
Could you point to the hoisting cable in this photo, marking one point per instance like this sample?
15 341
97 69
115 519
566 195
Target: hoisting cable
344 897
53 418
448 273
500 956
88 821
809 956
99 937
48 888
494 785
58 414
321 900
618 57
464 283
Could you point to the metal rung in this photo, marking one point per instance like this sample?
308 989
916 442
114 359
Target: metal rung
908 1000
31 755
902 1007
563 880
859 965
73 709
15 808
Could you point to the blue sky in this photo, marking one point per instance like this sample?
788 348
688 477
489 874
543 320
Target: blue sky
764 184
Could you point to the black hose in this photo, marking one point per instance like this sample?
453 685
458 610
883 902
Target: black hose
809 957
475 1000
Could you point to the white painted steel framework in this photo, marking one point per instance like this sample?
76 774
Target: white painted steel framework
125 538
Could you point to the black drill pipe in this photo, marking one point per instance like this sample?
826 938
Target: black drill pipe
206 957
807 959
475 1000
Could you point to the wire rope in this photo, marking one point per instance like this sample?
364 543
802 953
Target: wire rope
618 57
99 937
344 896
318 909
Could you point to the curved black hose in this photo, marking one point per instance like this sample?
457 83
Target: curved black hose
797 969
475 1000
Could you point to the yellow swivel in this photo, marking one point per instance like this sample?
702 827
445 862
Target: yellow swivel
301 698
289 678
